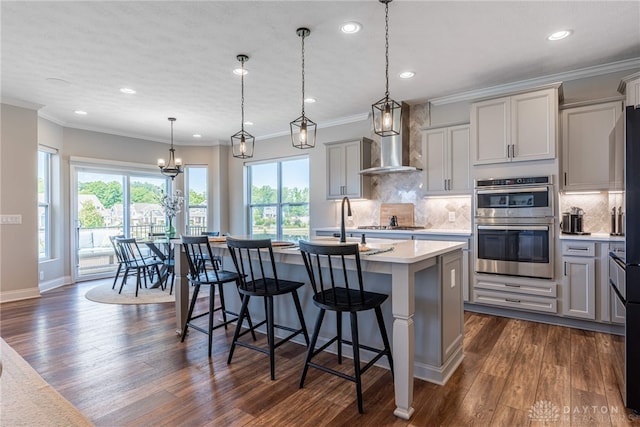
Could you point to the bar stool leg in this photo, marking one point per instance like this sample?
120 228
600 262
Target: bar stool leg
271 337
339 327
243 313
223 309
356 358
211 303
303 325
312 345
190 313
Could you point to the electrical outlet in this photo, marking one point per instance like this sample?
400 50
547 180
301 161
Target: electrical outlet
10 219
42 275
452 216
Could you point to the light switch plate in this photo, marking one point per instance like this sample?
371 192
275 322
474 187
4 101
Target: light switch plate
10 219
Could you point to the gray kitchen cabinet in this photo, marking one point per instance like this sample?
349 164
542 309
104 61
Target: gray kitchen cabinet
452 320
445 153
592 147
345 159
515 128
579 279
518 293
617 310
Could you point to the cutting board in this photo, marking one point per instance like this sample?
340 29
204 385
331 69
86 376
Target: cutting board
404 212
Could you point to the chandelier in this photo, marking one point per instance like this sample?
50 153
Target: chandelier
174 167
242 142
305 127
386 112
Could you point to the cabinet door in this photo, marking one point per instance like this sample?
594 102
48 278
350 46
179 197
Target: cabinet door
435 154
579 287
335 171
490 131
460 167
533 125
591 142
352 178
617 308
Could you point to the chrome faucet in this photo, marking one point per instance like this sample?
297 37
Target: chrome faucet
343 233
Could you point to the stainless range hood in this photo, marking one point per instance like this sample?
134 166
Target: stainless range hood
394 150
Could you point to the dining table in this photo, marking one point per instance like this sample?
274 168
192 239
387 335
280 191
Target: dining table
160 248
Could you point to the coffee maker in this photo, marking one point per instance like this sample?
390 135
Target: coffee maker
572 221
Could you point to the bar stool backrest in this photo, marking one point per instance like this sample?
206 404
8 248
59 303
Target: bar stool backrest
250 257
198 251
210 233
327 269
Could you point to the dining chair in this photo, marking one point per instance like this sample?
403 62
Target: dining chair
119 258
198 250
341 290
134 260
254 262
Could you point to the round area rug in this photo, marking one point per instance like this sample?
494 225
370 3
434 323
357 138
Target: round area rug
104 294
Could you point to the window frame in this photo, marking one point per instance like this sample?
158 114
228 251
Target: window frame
188 205
279 204
46 203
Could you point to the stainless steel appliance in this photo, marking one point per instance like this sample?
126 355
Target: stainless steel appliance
572 221
514 227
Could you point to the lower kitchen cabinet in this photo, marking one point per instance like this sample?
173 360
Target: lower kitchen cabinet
579 287
517 293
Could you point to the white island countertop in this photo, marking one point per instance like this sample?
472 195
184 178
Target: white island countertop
402 251
426 231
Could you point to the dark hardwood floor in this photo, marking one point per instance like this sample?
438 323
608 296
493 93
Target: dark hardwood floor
123 365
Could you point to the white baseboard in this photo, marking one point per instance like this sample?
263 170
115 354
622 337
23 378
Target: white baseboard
19 294
55 283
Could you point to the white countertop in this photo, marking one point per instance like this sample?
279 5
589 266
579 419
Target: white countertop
439 231
594 237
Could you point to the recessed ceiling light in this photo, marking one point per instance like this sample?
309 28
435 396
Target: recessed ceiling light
80 112
406 74
240 71
127 90
197 135
559 35
248 123
351 27
310 100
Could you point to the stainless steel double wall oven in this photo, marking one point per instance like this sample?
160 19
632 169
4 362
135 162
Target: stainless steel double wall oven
514 226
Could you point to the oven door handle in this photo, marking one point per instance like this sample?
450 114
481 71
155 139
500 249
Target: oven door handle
513 190
514 227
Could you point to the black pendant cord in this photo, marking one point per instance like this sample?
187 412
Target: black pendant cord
386 46
303 75
242 97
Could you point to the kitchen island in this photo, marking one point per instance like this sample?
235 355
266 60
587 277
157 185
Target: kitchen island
423 279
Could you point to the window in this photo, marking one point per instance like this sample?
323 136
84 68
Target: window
196 199
279 199
44 204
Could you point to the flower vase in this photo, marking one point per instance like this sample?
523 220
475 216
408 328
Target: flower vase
170 231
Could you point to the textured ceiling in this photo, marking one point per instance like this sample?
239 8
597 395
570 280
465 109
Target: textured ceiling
179 56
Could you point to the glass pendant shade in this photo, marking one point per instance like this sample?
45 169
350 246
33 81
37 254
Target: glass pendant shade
174 167
386 112
242 142
303 129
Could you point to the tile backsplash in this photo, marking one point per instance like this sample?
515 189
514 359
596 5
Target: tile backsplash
597 209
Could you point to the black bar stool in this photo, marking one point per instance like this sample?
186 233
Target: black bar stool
198 251
326 266
250 258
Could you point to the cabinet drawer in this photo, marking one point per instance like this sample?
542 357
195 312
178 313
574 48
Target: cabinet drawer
545 290
517 301
575 248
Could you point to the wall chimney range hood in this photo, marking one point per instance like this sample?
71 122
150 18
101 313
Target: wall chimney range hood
394 150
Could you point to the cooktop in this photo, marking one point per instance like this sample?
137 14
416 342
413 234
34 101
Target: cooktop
390 227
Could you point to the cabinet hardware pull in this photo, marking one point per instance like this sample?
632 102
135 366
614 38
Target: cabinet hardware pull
512 286
565 267
512 300
565 178
577 249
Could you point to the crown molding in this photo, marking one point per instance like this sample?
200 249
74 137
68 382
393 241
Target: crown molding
581 73
20 103
329 123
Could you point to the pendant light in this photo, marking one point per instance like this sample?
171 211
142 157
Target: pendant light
174 167
386 112
303 126
242 142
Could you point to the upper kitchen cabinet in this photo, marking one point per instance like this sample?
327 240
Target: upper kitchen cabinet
515 128
630 86
345 160
445 152
592 147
